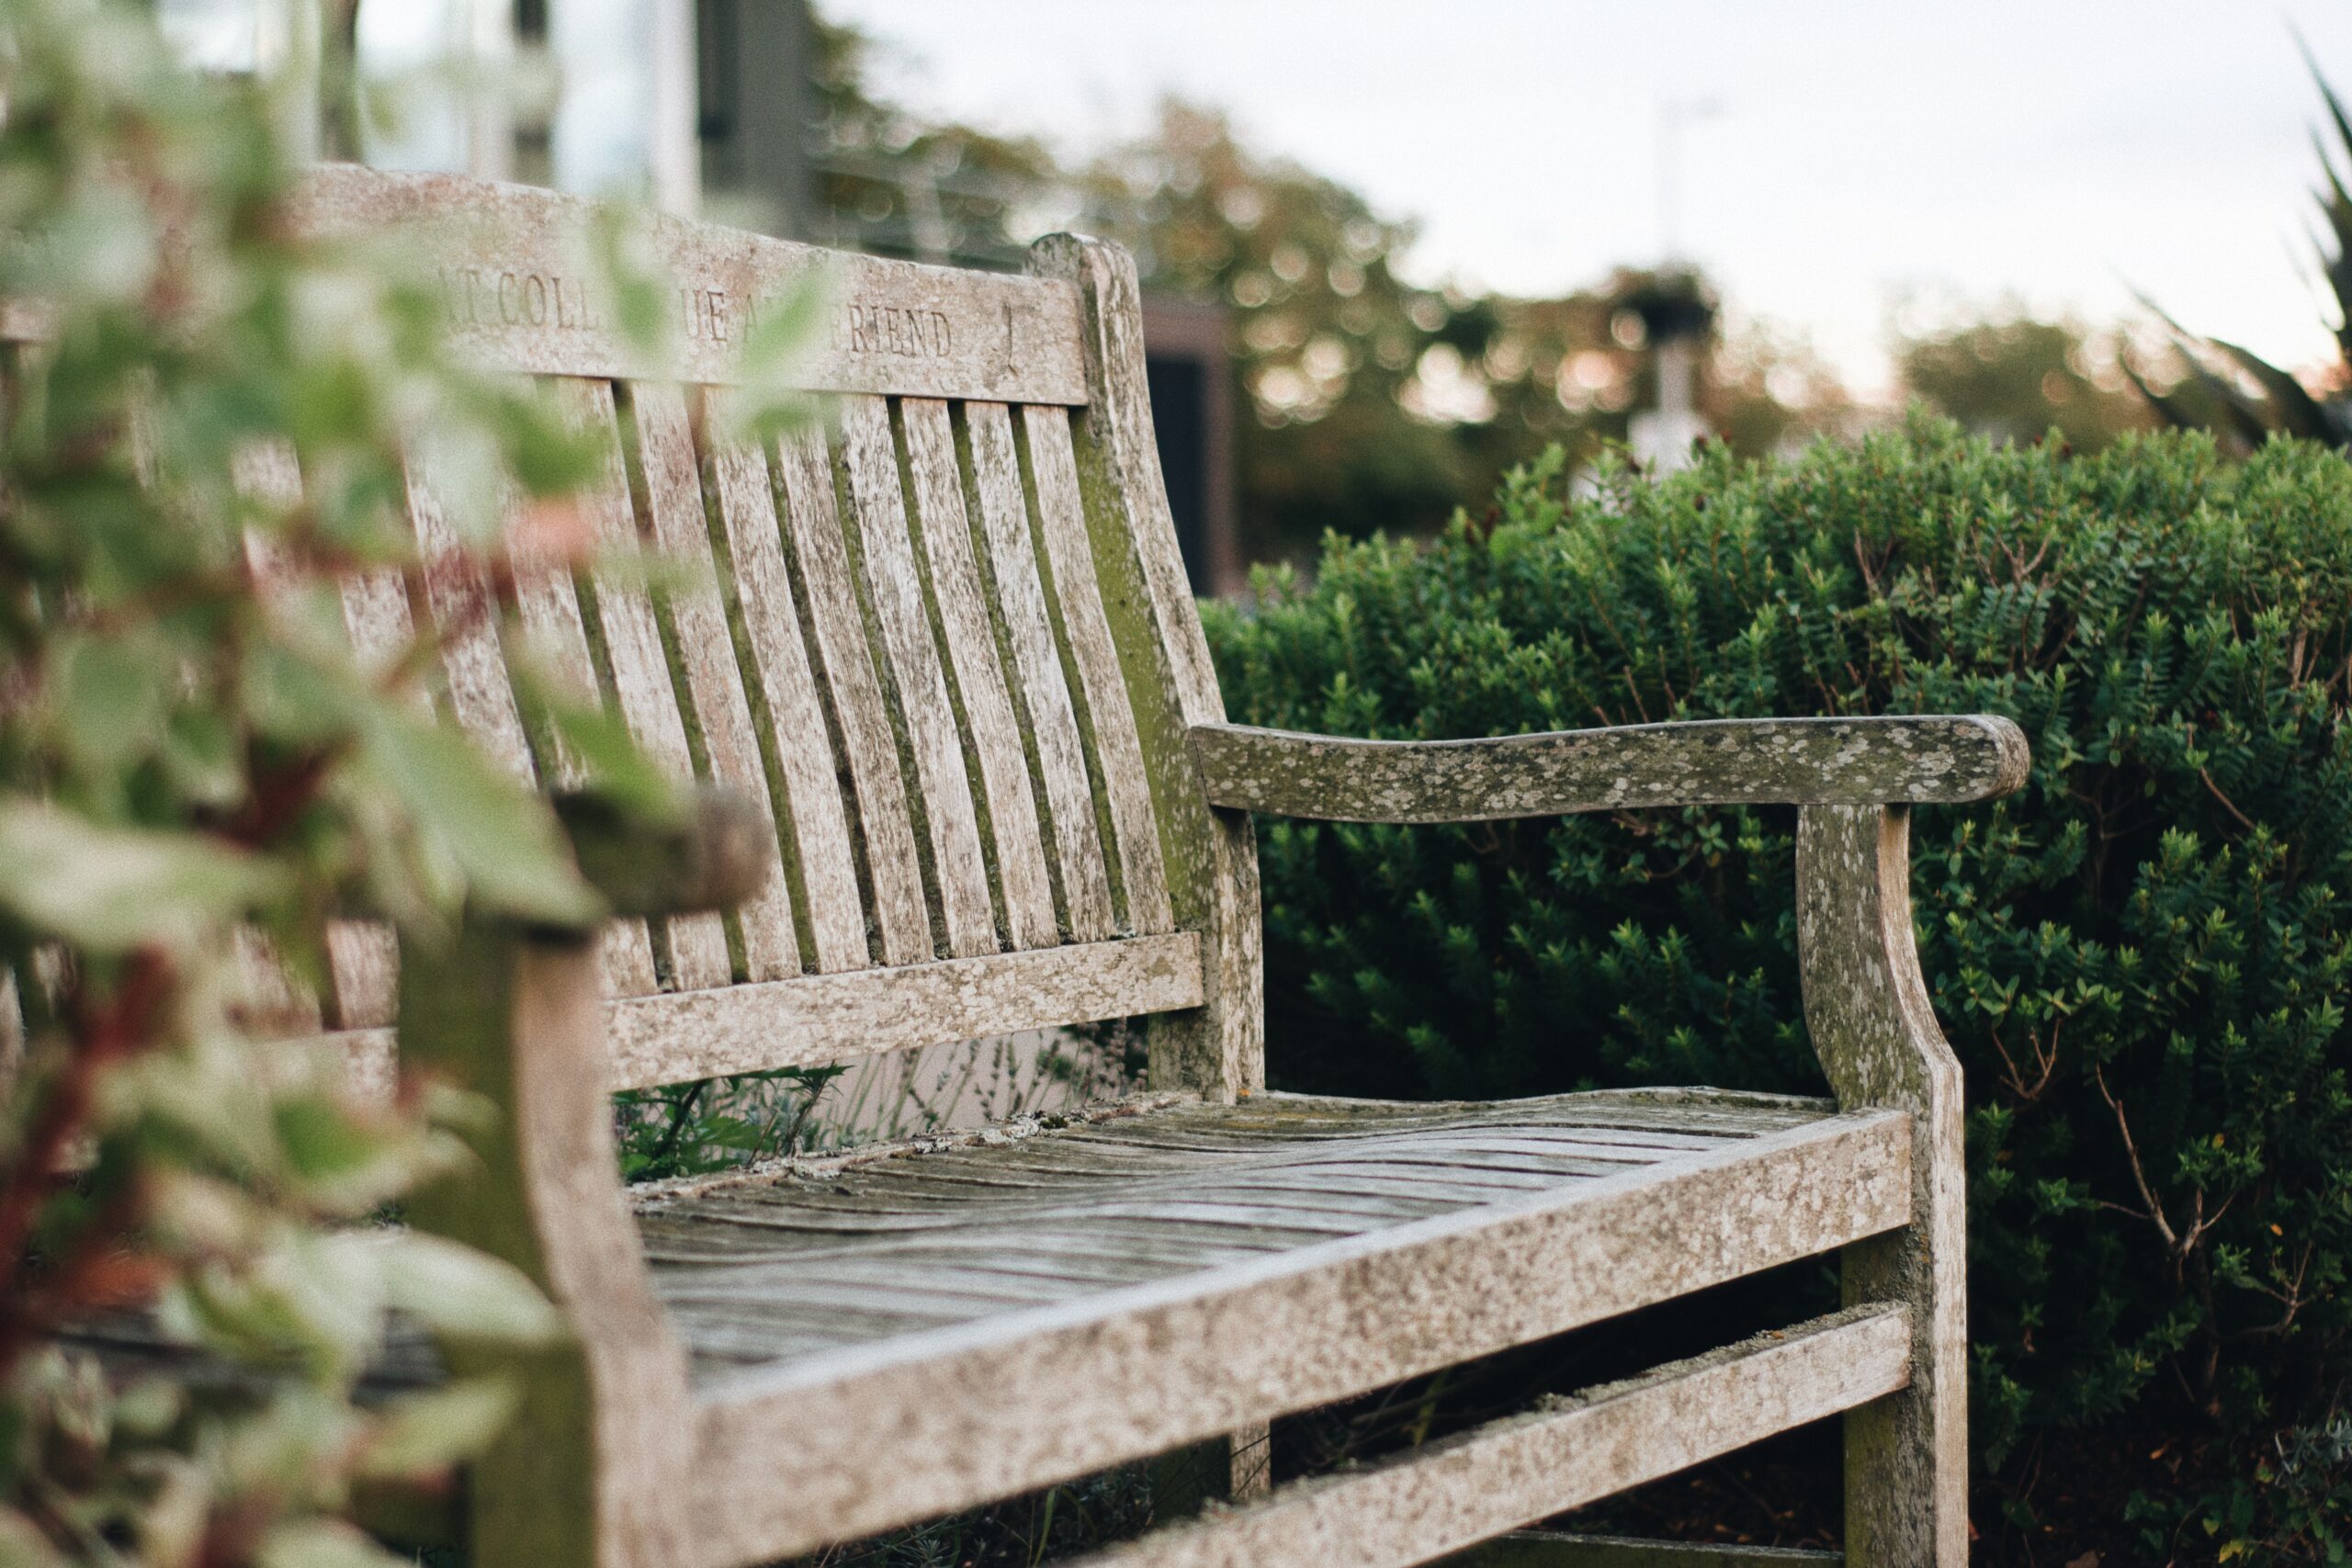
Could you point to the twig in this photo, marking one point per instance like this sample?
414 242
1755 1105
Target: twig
2227 804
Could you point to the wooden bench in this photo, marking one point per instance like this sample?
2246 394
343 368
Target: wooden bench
952 662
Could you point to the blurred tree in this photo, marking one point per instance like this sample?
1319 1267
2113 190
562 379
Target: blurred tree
2011 377
1353 380
1770 391
1368 401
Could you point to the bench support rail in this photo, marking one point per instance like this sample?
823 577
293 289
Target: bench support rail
1523 1468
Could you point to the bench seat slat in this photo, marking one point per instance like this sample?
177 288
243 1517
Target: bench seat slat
674 500
1268 1319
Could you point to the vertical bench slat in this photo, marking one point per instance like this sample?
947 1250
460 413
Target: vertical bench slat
886 831
715 684
1037 667
551 619
456 599
364 955
871 452
973 661
649 703
1069 558
806 772
267 471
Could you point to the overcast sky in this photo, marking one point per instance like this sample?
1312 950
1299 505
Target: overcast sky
2061 149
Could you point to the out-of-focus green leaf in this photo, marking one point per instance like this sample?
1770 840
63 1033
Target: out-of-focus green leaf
22 1545
312 1300
456 1291
113 888
501 837
429 1432
612 761
324 1543
113 693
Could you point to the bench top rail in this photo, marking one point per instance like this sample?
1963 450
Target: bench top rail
516 263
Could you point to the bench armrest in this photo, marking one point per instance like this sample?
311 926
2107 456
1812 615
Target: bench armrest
715 849
1795 761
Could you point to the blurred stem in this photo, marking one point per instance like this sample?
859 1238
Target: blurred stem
104 1034
682 1111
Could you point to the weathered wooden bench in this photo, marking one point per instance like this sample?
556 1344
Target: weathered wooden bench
951 659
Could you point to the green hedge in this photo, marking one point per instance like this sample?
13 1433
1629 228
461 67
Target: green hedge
2152 935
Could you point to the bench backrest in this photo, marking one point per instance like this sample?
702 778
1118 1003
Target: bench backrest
950 646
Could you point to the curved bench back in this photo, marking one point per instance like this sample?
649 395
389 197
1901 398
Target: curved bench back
945 640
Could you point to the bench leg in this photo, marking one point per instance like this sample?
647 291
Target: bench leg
1234 1468
1906 1456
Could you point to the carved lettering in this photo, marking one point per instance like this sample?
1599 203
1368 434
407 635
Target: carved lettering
475 296
897 330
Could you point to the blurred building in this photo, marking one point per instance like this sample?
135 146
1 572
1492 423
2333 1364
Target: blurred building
736 109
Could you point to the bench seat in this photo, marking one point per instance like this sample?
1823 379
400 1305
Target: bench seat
1024 1305
825 1255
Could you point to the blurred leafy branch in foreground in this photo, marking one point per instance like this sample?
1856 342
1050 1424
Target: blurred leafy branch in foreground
207 433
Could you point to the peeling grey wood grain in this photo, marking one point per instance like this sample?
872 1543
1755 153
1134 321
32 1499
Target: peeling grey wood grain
969 637
989 1409
714 680
830 1254
457 598
364 955
520 287
870 451
1801 762
821 552
640 667
820 1018
806 771
1211 856
1037 669
473 663
1565 1453
1866 1006
548 603
1077 589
